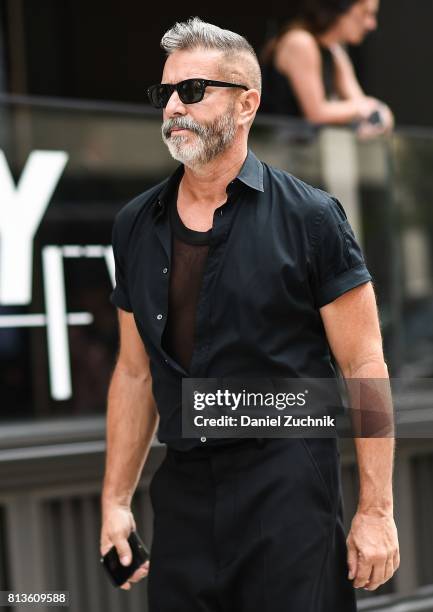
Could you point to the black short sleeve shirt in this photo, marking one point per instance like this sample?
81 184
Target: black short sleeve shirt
279 250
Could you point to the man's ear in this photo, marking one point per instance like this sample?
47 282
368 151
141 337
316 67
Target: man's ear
249 102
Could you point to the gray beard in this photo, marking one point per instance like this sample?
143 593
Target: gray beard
209 140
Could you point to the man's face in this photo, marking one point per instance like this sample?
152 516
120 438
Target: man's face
359 21
196 133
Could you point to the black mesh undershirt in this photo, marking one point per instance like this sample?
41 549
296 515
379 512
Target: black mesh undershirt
189 253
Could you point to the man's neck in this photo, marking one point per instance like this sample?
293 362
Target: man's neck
207 184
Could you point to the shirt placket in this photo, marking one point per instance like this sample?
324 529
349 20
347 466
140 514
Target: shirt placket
222 221
163 232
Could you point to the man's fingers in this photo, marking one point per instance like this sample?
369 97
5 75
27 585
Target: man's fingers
396 560
145 566
105 547
352 560
138 575
364 570
123 550
389 569
140 572
126 586
376 577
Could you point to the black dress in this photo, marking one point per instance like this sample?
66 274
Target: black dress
278 96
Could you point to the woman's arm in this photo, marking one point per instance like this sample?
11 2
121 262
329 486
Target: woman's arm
349 88
298 57
347 85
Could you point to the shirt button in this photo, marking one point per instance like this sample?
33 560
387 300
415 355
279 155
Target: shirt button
164 270
203 439
159 317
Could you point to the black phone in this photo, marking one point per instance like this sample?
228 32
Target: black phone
375 118
119 573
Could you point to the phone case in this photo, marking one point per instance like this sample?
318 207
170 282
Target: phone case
119 573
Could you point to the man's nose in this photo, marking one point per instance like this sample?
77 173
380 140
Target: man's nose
175 106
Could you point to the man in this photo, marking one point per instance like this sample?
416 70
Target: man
233 268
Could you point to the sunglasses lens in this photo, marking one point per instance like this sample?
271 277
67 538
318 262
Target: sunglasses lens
158 95
191 91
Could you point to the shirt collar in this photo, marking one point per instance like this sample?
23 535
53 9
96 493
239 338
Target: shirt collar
251 174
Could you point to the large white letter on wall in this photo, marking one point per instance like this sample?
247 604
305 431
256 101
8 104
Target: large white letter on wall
21 210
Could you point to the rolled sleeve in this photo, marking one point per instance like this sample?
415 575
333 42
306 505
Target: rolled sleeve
337 261
120 294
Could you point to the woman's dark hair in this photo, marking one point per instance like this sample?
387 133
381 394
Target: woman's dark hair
316 16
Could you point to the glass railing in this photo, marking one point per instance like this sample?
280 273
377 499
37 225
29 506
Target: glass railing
67 167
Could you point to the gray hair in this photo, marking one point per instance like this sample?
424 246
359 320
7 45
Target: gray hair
241 59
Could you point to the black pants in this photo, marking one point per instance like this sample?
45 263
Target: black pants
251 527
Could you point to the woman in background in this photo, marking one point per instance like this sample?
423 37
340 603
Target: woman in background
307 72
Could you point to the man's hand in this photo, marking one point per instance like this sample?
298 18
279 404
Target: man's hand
118 522
373 550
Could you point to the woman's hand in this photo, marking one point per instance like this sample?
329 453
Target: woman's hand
367 129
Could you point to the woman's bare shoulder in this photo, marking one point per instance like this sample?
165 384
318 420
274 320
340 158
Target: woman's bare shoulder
298 38
297 44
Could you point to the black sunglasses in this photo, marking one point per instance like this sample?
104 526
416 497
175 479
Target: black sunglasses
190 91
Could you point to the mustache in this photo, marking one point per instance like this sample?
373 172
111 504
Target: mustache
182 123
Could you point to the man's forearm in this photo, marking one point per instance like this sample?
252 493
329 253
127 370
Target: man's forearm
132 419
372 416
375 464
